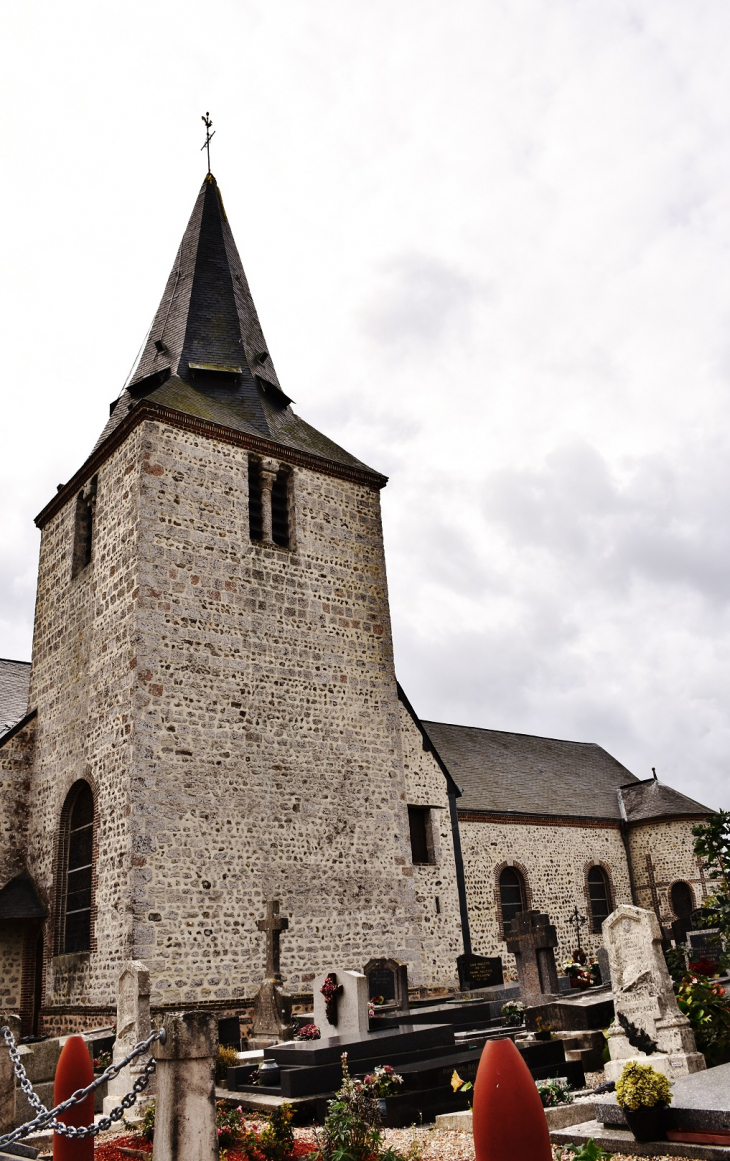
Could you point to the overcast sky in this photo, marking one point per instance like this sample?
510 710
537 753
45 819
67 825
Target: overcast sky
489 243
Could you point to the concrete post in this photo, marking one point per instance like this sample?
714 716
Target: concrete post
133 1025
185 1128
7 1077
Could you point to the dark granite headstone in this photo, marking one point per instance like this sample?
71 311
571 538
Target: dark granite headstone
479 971
531 938
604 966
388 980
703 944
229 1033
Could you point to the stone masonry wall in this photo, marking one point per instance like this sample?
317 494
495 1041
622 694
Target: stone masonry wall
16 765
554 860
82 686
267 756
663 853
436 885
11 968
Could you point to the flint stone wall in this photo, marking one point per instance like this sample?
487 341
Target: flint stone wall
555 860
663 853
16 766
235 710
426 786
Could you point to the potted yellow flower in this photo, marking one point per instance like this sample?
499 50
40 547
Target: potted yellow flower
643 1094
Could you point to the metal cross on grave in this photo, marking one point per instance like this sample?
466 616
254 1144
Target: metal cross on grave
273 925
576 920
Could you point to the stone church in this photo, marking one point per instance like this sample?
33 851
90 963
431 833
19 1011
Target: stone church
211 717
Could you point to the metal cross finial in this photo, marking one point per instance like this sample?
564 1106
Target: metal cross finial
208 136
577 920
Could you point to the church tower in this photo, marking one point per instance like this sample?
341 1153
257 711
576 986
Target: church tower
218 719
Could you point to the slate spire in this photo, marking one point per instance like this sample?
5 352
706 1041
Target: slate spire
206 327
206 356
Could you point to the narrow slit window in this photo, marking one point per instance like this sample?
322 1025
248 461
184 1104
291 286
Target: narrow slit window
79 872
280 509
600 897
255 509
419 824
84 527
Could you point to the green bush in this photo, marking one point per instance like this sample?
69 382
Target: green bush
641 1086
352 1126
227 1058
704 1003
554 1092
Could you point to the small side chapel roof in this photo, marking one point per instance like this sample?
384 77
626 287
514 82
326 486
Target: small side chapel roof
14 682
506 773
653 799
206 355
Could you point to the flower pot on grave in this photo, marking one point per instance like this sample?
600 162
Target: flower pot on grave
574 982
647 1124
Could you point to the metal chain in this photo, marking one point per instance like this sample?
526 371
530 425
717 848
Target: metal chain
48 1119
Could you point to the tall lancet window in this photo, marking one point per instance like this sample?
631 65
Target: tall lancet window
84 527
255 506
280 509
77 857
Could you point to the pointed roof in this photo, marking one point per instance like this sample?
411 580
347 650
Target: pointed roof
206 355
651 799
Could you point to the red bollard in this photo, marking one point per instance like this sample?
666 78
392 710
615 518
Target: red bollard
73 1071
508 1117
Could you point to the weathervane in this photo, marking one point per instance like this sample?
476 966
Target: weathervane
208 136
577 920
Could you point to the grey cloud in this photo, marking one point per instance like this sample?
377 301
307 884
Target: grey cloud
419 300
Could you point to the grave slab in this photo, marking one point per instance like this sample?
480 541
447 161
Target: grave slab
699 1102
615 1140
407 1038
479 971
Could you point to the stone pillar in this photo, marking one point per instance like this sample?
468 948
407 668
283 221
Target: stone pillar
644 999
185 1128
133 1025
269 468
531 938
7 1076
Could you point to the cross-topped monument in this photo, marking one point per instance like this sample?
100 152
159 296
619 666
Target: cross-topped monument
273 925
576 921
272 1006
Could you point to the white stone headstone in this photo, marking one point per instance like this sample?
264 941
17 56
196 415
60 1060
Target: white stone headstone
133 1025
643 994
351 1004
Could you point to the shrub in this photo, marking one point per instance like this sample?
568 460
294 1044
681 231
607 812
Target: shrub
351 1129
227 1058
641 1086
554 1092
704 1003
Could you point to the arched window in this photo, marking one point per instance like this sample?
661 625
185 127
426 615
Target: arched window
511 894
77 867
682 900
599 894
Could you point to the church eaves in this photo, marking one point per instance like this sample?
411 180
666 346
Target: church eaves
206 359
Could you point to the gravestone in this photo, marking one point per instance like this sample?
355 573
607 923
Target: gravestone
388 981
347 1012
531 938
644 998
133 1025
229 1033
272 1020
604 966
703 943
479 971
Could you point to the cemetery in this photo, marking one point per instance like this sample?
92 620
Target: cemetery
417 1060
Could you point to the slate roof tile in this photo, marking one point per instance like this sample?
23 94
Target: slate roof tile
653 799
14 681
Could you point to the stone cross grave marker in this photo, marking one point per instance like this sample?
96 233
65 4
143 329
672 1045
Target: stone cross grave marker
272 1020
388 982
350 1009
273 925
133 1025
531 938
644 999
